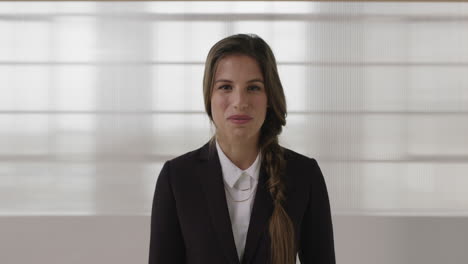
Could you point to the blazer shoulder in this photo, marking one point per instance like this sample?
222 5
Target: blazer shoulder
180 166
185 158
302 167
291 155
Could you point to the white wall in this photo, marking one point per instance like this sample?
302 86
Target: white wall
124 239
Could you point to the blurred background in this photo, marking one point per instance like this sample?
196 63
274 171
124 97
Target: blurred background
96 96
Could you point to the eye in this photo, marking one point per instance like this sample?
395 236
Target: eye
225 87
254 88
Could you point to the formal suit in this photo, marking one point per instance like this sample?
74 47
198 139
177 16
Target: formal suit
190 221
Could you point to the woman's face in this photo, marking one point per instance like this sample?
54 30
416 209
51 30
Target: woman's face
238 100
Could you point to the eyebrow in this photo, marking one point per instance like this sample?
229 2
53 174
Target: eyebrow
229 81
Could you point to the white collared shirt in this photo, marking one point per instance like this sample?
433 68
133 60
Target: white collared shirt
239 212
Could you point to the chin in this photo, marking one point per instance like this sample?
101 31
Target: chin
240 136
243 135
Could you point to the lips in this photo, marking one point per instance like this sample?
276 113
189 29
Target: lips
239 119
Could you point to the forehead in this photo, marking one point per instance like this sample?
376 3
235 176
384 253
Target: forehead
238 67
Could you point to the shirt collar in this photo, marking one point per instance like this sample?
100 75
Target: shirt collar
231 172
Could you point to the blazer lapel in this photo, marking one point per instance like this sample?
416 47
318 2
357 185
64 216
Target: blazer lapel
211 179
259 218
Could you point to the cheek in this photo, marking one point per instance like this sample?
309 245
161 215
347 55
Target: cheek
218 106
262 104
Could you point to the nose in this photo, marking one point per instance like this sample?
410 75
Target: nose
240 100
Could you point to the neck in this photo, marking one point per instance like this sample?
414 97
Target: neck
241 152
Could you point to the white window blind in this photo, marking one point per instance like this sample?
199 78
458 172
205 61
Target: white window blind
94 97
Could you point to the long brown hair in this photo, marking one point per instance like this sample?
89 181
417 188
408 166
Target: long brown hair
281 229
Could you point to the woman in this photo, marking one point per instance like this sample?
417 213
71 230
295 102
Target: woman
242 198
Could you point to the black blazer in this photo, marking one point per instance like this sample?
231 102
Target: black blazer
190 221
